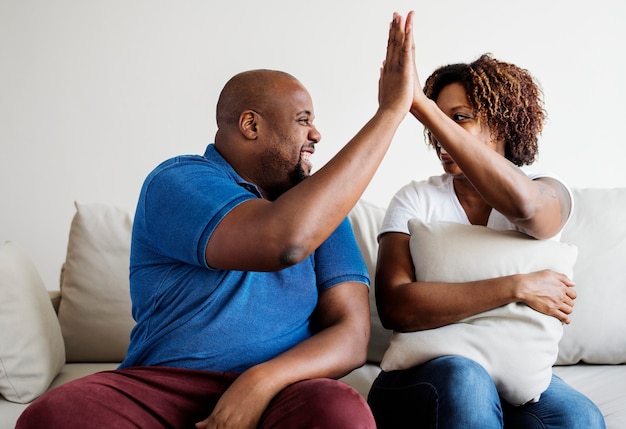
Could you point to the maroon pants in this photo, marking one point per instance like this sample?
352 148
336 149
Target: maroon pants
160 397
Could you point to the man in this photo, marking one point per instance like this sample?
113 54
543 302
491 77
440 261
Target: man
248 290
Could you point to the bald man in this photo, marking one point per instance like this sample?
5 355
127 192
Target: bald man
248 288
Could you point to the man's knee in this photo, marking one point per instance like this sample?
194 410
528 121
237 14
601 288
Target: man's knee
55 408
319 402
71 405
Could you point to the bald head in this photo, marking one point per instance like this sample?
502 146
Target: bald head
253 89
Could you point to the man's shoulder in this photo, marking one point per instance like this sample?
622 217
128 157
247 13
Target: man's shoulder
182 160
182 165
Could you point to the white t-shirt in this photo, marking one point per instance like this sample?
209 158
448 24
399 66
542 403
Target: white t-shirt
514 343
434 200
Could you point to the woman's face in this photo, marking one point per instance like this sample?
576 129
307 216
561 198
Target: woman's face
452 100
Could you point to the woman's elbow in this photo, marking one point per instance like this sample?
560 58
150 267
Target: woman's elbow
394 319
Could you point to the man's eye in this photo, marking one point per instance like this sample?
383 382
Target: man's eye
304 120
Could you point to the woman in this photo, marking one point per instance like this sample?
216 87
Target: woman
483 119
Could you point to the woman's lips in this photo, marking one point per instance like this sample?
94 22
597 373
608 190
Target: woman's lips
446 159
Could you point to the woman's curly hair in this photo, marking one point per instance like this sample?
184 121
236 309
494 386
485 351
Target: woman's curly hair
504 97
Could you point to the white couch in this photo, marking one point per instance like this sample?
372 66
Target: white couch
41 348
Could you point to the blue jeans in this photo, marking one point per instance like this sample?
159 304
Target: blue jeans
456 392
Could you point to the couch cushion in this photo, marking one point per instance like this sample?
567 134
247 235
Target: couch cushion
604 385
366 219
31 346
598 229
95 309
514 343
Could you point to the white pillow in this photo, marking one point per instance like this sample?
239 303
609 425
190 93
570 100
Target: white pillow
31 346
95 310
514 343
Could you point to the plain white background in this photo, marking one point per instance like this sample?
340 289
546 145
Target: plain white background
95 93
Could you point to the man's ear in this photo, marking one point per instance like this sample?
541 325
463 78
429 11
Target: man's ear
248 124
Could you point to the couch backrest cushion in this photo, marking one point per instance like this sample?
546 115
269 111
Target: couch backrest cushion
366 219
95 310
31 345
598 229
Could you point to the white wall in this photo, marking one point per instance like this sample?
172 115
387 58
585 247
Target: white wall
95 93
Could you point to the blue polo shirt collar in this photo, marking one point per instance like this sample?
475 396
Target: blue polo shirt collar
212 155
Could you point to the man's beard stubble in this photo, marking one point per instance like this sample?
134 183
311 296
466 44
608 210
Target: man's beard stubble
272 163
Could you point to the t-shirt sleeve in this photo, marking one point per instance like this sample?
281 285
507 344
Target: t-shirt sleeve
339 259
403 207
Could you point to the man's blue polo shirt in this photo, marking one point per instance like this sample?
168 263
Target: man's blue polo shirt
192 316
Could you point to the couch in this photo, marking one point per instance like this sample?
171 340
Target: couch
50 337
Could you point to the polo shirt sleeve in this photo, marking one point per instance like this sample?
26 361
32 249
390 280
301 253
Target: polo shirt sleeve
339 259
180 205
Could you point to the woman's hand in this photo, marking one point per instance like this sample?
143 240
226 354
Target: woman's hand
548 292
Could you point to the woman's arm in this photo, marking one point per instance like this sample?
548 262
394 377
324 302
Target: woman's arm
405 305
539 207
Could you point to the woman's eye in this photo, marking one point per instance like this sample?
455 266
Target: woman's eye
458 117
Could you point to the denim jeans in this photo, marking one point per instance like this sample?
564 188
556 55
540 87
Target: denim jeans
456 392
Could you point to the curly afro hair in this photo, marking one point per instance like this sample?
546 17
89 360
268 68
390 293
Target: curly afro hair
503 96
